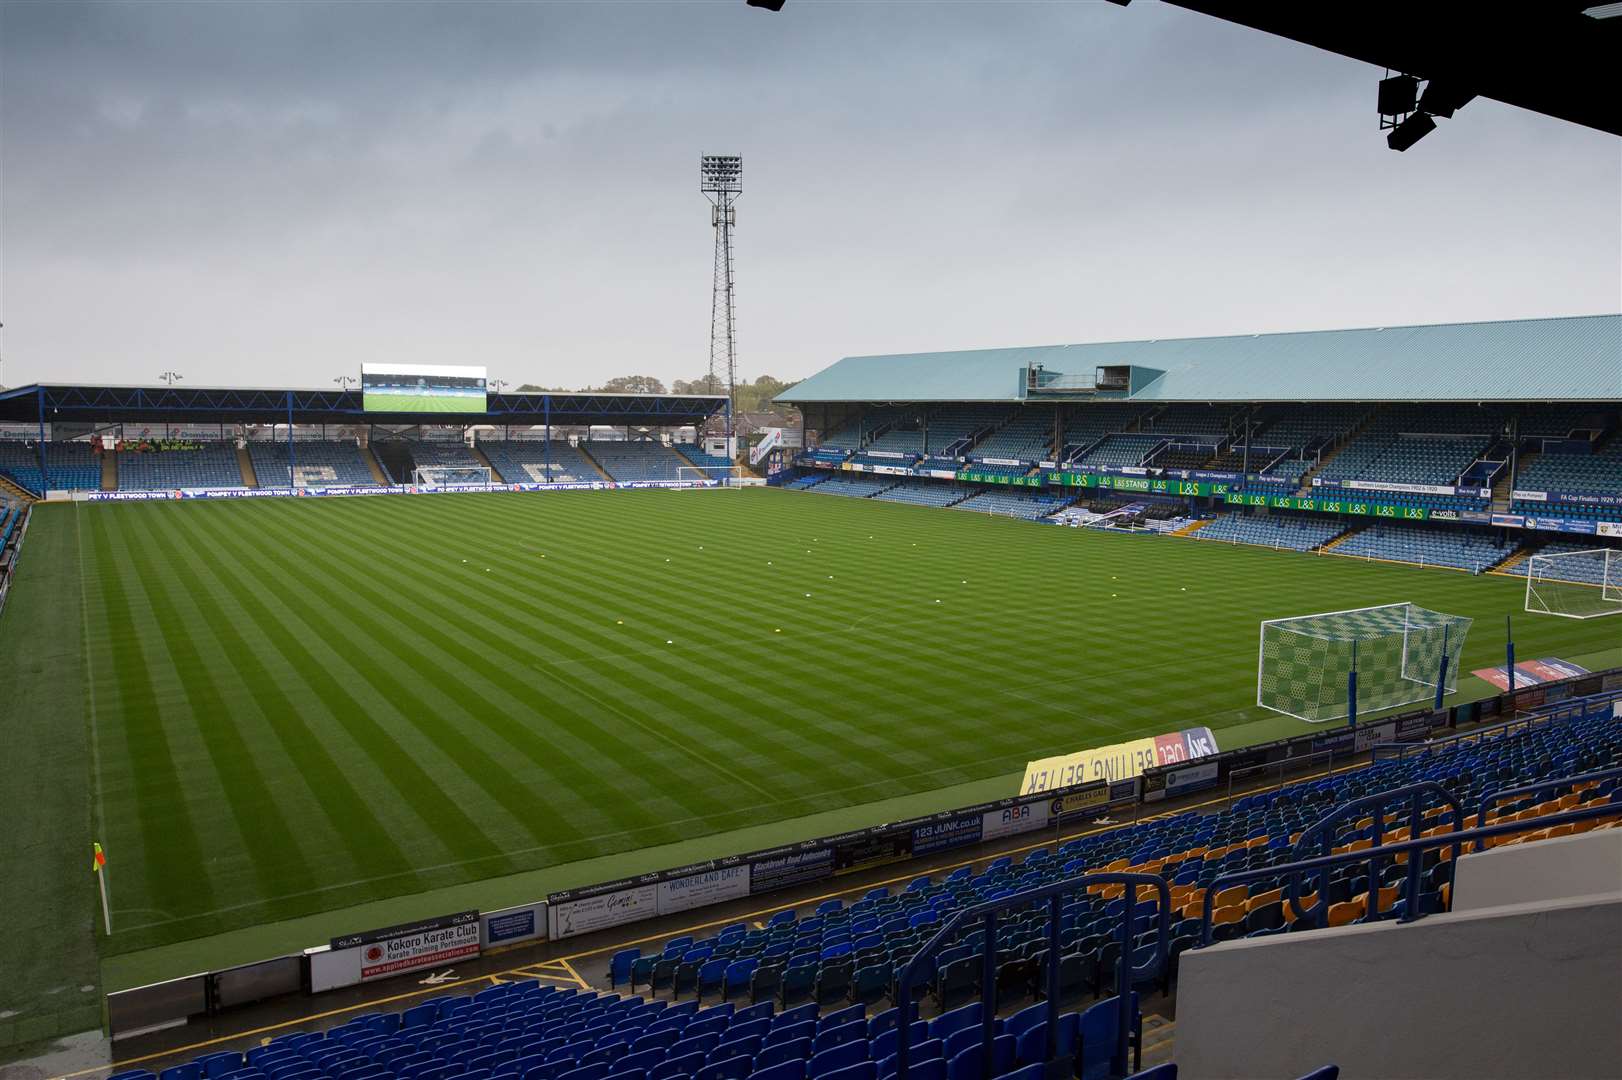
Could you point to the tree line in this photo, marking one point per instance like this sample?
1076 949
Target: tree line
751 396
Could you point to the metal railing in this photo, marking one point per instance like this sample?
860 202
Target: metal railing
1126 976
1493 798
1409 847
1414 794
1582 708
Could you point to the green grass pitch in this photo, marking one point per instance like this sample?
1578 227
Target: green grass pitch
266 708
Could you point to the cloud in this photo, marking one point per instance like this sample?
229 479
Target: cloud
265 192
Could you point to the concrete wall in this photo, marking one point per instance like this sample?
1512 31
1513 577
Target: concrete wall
1581 865
1523 991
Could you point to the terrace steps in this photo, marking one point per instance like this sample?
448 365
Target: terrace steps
495 473
376 467
16 491
1516 557
1193 527
109 472
601 472
1502 491
245 463
1342 538
1351 437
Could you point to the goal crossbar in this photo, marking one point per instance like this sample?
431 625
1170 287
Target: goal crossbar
1575 584
1400 653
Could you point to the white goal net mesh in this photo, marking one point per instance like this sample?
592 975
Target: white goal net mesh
1575 584
1396 649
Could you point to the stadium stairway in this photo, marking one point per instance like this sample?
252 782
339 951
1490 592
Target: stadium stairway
391 457
378 475
1501 491
245 463
16 491
1193 527
1334 452
602 473
1516 557
109 472
495 473
1342 538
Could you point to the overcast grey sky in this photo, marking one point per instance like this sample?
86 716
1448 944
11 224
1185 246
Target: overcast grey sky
273 193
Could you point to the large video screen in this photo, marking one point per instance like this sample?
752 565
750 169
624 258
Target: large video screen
422 388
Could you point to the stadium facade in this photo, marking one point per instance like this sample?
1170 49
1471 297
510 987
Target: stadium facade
1480 433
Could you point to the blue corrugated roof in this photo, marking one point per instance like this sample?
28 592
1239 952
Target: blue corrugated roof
1575 358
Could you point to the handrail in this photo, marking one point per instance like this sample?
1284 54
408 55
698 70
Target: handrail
1379 800
1492 798
1054 894
1329 862
1560 712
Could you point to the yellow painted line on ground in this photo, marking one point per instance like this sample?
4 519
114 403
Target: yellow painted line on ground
574 975
584 985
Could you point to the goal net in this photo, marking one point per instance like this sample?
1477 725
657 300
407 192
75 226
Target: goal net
720 475
442 477
1397 651
1575 584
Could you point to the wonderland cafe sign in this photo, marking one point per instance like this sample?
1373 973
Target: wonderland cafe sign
1338 506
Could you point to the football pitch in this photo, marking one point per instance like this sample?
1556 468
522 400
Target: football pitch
269 708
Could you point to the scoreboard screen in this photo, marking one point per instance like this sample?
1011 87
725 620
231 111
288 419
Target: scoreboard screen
398 388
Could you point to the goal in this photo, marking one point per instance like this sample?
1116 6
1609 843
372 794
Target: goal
1575 584
446 477
718 475
1399 651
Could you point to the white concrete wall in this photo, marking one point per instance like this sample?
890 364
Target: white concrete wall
1580 865
1528 991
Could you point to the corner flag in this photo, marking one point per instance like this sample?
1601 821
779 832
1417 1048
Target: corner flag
97 862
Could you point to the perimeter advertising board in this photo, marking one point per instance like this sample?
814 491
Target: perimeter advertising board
1122 761
395 950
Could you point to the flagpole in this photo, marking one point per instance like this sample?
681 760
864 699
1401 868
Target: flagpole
98 866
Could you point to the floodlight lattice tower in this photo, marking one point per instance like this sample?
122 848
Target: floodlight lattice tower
721 181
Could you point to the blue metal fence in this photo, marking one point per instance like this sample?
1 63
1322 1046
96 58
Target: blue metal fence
1126 974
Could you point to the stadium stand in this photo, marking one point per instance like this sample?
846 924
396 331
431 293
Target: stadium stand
1428 546
857 485
534 461
73 466
1023 438
11 514
925 494
1296 533
634 461
212 465
1592 572
1205 420
809 480
953 429
719 467
1557 474
430 453
1120 450
316 463
1033 505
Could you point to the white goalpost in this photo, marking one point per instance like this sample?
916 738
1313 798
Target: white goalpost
726 476
1575 584
1400 652
450 477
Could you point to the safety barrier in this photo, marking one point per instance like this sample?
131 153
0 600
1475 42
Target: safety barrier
1493 798
1402 847
1126 975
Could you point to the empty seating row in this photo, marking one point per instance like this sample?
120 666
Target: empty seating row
536 461
1429 546
68 466
1296 533
313 464
643 460
1028 503
212 465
